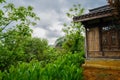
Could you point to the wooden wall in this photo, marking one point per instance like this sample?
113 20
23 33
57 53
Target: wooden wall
104 54
93 39
95 48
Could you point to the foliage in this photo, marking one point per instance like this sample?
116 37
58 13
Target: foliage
36 47
14 33
74 32
1 1
66 67
25 58
59 41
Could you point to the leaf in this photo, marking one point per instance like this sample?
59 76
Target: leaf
10 6
1 1
71 9
30 8
33 23
68 14
1 13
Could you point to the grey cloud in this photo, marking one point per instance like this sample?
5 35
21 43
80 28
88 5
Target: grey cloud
53 34
53 11
88 3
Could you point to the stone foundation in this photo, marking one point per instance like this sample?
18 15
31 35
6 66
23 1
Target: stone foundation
102 69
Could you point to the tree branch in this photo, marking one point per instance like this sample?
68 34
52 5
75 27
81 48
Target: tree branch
6 25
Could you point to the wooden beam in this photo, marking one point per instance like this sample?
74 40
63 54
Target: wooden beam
94 17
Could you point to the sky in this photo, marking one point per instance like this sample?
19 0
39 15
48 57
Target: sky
52 15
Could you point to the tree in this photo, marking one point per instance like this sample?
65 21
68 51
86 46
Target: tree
36 47
74 32
14 37
59 42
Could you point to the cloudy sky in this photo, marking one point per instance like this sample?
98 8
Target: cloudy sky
53 14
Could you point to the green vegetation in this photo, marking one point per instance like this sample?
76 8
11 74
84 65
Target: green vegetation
23 57
14 37
35 48
66 67
74 37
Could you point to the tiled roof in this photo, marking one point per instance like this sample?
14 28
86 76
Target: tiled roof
95 13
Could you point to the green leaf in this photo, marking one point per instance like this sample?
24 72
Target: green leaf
30 8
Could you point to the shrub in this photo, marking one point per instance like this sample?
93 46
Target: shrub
66 67
36 46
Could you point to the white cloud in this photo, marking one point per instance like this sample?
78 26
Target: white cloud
52 15
52 40
39 32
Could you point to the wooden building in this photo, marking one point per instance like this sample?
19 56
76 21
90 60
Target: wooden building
102 27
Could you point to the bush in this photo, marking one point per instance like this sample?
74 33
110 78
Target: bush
67 67
35 48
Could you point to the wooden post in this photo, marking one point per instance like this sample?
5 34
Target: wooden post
100 40
86 43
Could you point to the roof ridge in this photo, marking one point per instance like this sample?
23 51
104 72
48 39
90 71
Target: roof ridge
98 7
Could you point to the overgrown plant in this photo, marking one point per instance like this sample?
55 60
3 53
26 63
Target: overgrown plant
66 67
74 32
36 48
14 33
